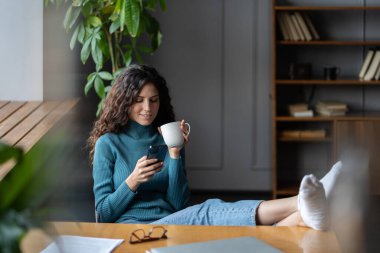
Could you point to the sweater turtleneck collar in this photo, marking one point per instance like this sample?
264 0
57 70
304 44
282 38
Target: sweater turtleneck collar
137 131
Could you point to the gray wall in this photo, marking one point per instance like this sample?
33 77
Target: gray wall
216 58
21 50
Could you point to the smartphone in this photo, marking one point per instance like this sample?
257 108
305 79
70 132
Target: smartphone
158 152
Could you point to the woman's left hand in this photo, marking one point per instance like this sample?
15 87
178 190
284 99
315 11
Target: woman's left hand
175 151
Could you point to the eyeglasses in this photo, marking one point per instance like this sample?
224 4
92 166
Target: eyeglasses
155 233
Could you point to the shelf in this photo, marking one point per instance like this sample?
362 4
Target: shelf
349 116
287 139
335 42
326 82
328 43
326 8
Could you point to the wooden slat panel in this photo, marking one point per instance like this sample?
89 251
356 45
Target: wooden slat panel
5 168
30 124
8 109
18 132
18 116
2 103
45 125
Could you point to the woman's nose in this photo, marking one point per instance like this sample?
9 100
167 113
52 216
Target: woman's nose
146 106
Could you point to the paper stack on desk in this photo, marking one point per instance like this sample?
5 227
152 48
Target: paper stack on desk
80 244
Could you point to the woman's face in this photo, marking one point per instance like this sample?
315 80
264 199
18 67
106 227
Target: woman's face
145 107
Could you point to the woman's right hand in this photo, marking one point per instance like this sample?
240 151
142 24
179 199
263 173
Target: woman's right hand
143 172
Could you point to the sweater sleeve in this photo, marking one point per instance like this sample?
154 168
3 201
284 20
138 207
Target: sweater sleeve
110 203
178 193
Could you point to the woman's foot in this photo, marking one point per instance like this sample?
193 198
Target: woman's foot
312 203
329 180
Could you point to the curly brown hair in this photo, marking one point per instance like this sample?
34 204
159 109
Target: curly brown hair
126 88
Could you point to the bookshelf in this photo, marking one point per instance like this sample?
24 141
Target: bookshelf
346 33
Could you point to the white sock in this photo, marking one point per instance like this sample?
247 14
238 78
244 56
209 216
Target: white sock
330 178
312 203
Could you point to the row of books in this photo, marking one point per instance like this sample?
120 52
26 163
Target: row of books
303 134
296 26
329 108
324 108
370 69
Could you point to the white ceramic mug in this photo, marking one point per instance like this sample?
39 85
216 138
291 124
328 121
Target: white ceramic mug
172 133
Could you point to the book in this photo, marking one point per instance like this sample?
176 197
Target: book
297 27
303 25
330 113
236 245
308 113
332 105
283 27
303 134
370 74
297 107
377 75
293 32
310 26
331 108
300 110
321 133
291 133
366 63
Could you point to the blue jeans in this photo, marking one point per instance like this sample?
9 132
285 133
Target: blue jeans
215 212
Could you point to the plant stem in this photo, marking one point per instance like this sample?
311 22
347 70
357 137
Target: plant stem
109 39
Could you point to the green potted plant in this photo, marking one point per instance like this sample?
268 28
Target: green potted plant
114 33
26 189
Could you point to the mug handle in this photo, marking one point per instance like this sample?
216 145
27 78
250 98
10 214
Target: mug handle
188 128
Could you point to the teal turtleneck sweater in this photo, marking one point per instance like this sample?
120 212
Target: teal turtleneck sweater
115 158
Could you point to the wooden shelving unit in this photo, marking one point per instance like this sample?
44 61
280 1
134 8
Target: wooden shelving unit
294 157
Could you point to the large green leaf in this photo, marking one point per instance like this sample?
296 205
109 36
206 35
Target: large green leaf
99 86
90 82
87 9
100 107
86 50
128 57
105 75
132 16
122 16
156 40
96 52
74 37
9 153
71 16
81 33
115 25
94 21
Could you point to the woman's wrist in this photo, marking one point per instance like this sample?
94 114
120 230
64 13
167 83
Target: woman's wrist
174 154
131 184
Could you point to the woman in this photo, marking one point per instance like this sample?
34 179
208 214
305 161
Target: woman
129 188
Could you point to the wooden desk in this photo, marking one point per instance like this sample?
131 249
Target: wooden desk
287 239
23 124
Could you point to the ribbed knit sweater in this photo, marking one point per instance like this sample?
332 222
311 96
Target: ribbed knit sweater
115 158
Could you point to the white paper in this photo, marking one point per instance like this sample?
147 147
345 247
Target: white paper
80 244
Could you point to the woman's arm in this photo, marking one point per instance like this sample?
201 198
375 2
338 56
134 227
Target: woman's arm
110 203
178 193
